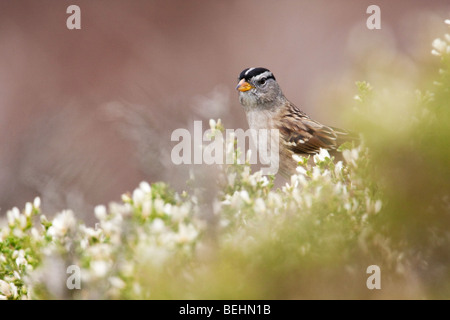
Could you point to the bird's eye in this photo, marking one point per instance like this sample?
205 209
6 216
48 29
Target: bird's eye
262 81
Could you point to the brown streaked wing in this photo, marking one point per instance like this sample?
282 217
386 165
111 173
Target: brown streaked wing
303 135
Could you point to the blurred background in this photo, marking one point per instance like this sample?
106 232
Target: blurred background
85 115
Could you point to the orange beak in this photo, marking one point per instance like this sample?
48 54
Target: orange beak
244 86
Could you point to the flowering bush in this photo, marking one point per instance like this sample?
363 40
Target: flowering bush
386 203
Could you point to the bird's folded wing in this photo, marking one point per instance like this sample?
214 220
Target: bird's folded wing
303 135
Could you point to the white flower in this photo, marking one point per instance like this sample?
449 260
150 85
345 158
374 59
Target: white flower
321 156
100 212
62 223
28 209
3 234
12 215
434 52
301 170
249 155
260 205
116 282
297 158
350 156
43 219
126 198
157 225
22 221
254 178
5 288
138 197
244 196
20 260
16 275
294 180
264 181
90 232
35 234
378 205
186 233
14 293
37 202
212 124
179 213
146 208
439 45
167 209
144 186
316 173
338 168
99 268
231 177
159 205
308 200
274 200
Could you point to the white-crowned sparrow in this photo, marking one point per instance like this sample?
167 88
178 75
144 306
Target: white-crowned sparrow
266 107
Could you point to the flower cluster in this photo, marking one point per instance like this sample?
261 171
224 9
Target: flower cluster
150 228
442 47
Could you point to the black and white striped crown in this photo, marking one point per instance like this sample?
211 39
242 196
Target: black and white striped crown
249 73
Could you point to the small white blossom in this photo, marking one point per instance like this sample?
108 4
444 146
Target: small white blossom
321 156
186 233
212 124
12 215
259 205
294 180
179 213
28 209
316 173
100 212
378 205
157 226
159 205
99 268
62 223
264 181
439 45
244 196
16 275
22 221
126 198
338 168
351 156
434 52
5 288
231 177
145 186
167 209
37 202
301 170
297 158
146 208
116 282
138 197
20 260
